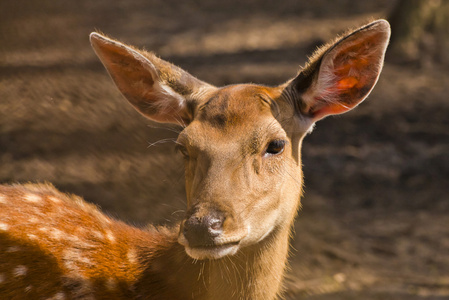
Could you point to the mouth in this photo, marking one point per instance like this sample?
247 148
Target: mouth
212 251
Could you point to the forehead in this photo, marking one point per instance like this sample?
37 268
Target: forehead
236 106
235 115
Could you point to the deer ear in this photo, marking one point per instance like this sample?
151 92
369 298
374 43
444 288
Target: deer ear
341 75
156 88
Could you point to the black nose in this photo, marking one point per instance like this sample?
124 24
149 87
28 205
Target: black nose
202 230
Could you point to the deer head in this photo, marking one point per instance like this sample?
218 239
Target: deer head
241 143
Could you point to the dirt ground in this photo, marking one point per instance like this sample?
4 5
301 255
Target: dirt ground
375 217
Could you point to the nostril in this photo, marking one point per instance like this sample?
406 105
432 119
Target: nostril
215 226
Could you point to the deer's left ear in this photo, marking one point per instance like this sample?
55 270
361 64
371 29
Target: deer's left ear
342 75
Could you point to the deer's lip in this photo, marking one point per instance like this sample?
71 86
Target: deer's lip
213 251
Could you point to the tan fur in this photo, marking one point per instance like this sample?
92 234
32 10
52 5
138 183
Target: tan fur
241 145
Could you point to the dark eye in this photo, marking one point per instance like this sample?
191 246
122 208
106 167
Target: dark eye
182 150
275 147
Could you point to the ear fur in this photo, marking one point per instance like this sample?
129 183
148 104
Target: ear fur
156 88
342 74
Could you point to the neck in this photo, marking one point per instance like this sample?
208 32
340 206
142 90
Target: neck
255 272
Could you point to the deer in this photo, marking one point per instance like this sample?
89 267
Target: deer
241 149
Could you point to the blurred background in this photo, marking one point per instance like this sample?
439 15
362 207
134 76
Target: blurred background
375 217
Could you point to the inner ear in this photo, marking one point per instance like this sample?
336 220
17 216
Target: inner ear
350 70
341 75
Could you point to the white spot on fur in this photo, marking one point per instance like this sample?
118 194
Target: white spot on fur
71 267
56 234
110 236
2 278
69 258
75 261
57 296
20 270
80 244
28 288
32 236
97 234
13 249
54 199
132 256
43 229
4 226
85 260
3 199
33 198
33 220
72 238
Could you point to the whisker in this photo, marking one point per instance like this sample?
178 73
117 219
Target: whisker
172 128
163 141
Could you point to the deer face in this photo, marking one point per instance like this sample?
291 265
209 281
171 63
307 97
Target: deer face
241 143
243 172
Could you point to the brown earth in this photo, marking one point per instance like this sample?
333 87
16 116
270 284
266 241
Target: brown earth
375 217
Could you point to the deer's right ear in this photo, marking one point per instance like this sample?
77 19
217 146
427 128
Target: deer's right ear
156 88
341 75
